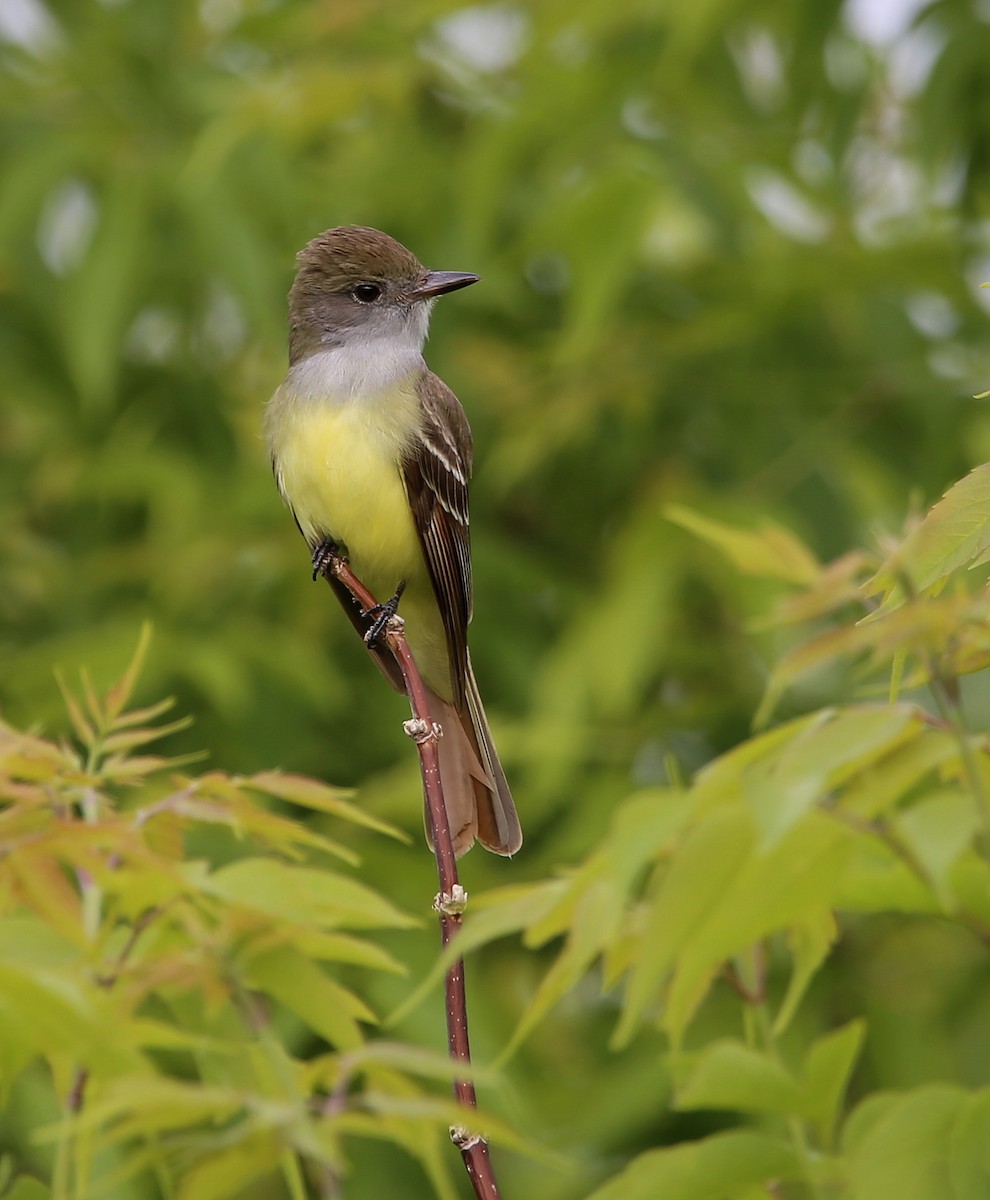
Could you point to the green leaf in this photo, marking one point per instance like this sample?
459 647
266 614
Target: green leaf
711 855
715 1168
721 780
318 898
969 1163
937 829
416 1060
881 785
597 920
28 1189
332 1011
730 1075
143 1104
821 756
877 879
228 1174
795 881
900 1145
341 947
809 942
825 1074
954 533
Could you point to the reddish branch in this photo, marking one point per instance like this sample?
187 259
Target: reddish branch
450 901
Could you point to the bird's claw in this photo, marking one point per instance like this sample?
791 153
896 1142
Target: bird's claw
324 556
382 614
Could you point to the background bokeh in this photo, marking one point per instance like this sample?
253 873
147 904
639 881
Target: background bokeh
731 253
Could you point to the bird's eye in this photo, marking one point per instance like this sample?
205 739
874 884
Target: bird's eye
367 292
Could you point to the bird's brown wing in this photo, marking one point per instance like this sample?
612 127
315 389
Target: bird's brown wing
436 476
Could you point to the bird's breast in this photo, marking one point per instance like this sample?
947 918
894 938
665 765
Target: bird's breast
338 464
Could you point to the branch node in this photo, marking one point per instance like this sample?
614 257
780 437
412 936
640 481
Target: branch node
451 903
464 1139
422 731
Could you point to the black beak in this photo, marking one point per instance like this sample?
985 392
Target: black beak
436 283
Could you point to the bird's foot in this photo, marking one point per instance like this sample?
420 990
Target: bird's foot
324 556
382 614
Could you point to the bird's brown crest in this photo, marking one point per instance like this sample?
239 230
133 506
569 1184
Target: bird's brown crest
338 258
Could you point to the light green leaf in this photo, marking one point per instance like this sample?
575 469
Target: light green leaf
710 857
597 920
899 1145
28 1189
969 1161
954 533
825 1074
876 879
937 829
715 1168
721 780
880 786
792 883
227 1174
332 1011
820 757
145 1103
341 947
305 895
809 942
730 1075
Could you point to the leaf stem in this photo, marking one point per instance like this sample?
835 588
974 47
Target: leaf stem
759 1028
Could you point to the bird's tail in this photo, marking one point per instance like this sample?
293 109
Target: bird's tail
476 795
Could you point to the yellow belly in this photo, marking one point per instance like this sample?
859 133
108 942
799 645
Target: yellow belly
338 468
340 484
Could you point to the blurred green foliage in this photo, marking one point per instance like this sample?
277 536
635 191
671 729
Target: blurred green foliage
731 254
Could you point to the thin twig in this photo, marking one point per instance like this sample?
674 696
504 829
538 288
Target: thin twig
449 904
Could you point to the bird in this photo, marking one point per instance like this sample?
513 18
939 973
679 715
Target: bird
372 453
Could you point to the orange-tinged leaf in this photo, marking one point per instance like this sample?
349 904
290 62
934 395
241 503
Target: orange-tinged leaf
120 693
920 626
163 833
314 794
134 768
96 710
143 716
839 584
43 884
84 731
128 739
770 552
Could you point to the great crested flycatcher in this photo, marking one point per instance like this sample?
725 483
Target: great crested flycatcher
372 453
